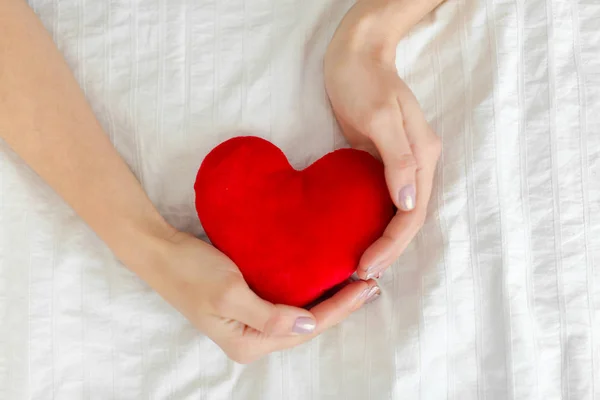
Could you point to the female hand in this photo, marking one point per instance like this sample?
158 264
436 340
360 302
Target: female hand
209 290
203 284
377 112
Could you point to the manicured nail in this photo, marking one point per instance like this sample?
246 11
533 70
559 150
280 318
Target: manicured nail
362 297
374 272
367 293
373 295
304 325
407 197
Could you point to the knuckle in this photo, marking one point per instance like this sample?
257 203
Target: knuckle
406 161
274 323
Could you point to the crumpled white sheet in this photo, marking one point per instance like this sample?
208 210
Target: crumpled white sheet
499 296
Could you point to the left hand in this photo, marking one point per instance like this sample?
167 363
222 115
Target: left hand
206 287
377 112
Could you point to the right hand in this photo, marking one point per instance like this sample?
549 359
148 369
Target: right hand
209 290
377 112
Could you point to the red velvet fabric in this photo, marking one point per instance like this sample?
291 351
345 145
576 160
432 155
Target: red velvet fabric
293 234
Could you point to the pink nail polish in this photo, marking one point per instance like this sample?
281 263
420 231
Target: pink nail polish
373 294
304 325
374 272
407 197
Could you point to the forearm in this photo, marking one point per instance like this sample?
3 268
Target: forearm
380 24
44 117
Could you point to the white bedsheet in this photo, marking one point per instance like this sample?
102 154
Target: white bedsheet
499 296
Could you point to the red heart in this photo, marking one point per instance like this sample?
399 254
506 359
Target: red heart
293 234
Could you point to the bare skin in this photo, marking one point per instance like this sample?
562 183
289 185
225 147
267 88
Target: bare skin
64 143
378 112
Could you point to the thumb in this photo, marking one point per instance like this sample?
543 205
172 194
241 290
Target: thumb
268 318
400 163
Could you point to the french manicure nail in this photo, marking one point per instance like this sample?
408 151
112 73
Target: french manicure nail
304 325
373 294
407 197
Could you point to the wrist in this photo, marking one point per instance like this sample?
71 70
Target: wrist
142 245
375 27
364 30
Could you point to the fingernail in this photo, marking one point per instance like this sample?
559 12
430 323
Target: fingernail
304 325
374 272
407 197
373 294
362 297
367 293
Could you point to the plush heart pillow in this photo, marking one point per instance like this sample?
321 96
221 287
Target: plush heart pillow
293 234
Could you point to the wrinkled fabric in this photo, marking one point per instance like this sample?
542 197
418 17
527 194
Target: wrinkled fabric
497 298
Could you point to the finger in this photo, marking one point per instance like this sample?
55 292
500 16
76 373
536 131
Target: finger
389 136
349 299
400 231
331 292
331 312
249 345
268 318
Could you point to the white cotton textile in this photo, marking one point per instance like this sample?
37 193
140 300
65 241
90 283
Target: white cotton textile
498 297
